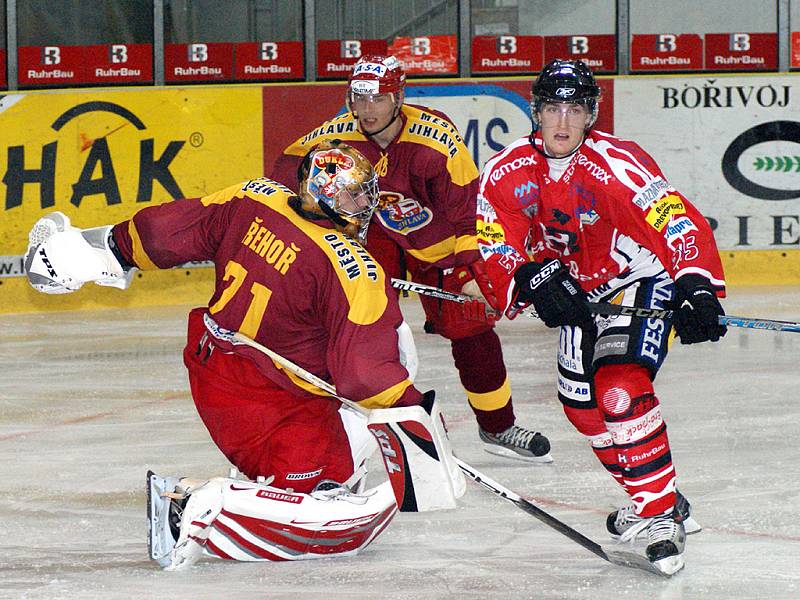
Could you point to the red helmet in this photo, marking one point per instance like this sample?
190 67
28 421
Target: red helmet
377 74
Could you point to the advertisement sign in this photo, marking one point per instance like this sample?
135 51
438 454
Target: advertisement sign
732 145
742 51
427 55
335 58
198 62
597 51
666 52
488 115
269 60
507 53
118 63
50 65
100 156
795 58
72 65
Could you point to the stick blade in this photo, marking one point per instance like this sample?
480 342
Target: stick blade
628 557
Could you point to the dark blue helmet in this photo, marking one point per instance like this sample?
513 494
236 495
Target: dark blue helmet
565 81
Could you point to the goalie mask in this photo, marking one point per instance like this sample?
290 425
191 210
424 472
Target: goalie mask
374 77
339 184
565 81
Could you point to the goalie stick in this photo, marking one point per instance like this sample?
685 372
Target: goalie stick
615 555
608 309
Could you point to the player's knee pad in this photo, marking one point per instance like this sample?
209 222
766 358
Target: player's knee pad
588 421
620 389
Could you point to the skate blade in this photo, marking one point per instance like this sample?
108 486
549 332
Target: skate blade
626 557
157 515
507 453
691 526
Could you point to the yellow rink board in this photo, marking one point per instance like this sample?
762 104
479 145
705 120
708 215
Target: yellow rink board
101 155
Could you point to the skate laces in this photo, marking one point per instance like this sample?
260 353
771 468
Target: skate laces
516 436
632 523
662 528
331 490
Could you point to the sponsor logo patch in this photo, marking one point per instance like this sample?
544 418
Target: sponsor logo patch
611 345
662 211
654 190
301 476
402 214
509 167
369 68
491 232
677 228
279 496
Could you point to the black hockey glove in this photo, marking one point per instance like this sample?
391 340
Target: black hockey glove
697 312
555 295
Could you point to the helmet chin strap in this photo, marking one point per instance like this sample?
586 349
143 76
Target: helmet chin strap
543 150
392 120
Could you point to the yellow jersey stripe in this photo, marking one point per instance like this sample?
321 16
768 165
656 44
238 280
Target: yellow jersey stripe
466 242
366 298
432 131
140 257
491 400
435 252
386 398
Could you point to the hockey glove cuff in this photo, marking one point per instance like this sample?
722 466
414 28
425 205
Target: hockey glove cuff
557 298
698 311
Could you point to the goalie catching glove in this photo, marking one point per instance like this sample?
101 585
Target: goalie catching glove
61 258
697 311
557 298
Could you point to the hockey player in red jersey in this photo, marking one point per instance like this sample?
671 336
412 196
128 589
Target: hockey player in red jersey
425 224
569 215
291 275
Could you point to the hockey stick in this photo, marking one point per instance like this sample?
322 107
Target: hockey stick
617 556
608 309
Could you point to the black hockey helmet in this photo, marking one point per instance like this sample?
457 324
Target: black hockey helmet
565 81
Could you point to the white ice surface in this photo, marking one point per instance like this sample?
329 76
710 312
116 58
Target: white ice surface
90 400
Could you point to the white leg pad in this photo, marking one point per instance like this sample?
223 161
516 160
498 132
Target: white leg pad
202 508
247 521
362 446
418 457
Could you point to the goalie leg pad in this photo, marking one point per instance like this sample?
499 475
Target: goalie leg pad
362 446
260 522
418 457
202 508
247 521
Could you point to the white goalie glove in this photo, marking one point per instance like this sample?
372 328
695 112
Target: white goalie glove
61 258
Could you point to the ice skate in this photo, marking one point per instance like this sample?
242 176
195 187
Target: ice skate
164 508
620 521
666 540
519 443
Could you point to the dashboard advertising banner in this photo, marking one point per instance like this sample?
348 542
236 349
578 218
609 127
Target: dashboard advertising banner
99 156
731 144
489 114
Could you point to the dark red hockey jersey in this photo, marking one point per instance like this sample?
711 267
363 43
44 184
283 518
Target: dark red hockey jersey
427 178
311 294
